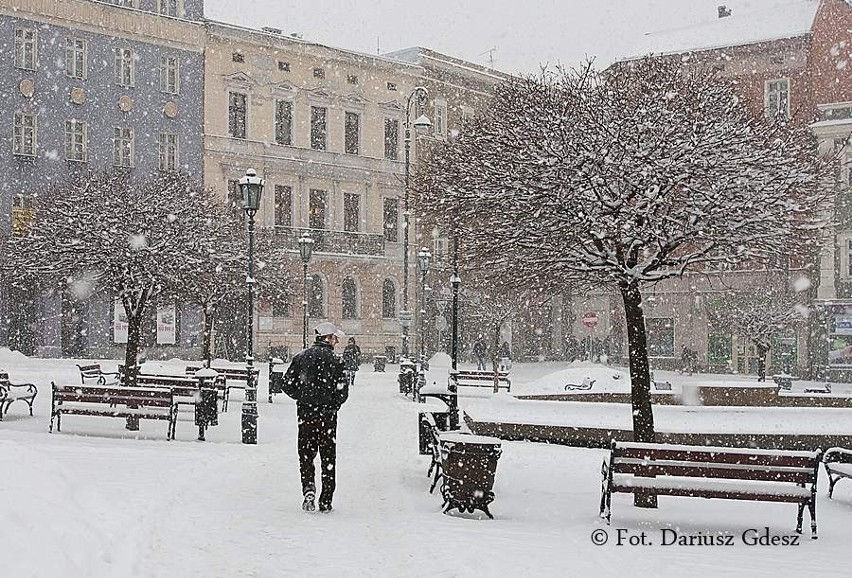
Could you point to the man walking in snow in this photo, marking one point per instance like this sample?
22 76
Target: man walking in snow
351 360
316 380
479 352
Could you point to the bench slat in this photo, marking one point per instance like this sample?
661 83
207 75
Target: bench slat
717 456
698 470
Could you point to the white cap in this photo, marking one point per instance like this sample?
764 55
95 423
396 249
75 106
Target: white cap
325 328
340 335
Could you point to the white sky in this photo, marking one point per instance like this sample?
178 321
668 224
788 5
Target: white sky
525 34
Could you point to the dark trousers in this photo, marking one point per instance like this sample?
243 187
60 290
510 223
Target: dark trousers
318 433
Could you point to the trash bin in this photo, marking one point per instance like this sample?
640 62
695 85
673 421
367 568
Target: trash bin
207 410
442 421
379 362
407 376
276 377
469 464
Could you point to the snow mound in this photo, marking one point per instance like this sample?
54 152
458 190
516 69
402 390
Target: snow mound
9 356
606 379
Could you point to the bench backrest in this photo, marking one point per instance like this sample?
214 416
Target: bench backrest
235 373
4 379
114 395
182 386
714 462
89 371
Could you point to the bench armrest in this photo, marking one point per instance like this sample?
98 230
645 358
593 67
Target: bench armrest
837 455
30 386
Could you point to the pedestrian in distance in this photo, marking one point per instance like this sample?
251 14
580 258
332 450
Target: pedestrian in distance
351 360
316 380
479 352
505 357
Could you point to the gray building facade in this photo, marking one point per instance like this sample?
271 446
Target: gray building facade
86 87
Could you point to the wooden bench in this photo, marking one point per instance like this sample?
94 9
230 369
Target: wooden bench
234 378
480 378
712 472
819 389
186 392
94 372
10 392
838 465
430 444
587 383
113 401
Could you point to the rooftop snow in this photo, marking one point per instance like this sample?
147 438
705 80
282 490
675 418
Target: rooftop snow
740 28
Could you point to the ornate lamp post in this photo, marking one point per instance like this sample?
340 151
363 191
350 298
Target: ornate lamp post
306 247
455 282
423 258
421 125
252 189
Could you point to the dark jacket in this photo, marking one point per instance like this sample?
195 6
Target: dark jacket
352 357
315 379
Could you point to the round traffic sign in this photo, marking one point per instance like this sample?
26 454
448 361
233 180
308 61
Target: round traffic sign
590 319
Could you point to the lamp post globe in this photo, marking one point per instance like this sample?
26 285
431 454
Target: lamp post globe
251 187
306 248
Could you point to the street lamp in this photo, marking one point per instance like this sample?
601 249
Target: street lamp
423 258
455 282
306 247
421 125
252 189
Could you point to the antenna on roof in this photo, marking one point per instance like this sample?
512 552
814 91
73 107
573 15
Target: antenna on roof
490 52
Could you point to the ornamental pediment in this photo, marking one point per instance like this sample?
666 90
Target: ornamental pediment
392 106
240 79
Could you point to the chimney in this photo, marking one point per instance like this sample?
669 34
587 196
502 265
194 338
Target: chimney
724 11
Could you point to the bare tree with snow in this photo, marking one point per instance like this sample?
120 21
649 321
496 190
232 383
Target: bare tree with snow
622 178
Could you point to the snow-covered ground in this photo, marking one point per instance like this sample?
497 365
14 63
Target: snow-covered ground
97 500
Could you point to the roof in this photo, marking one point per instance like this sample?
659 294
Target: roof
789 20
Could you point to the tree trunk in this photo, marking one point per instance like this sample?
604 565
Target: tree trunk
762 350
640 378
134 312
496 357
209 316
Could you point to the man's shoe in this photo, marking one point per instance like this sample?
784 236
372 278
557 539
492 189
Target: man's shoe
325 508
308 504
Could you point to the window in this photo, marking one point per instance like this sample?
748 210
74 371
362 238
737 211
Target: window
391 139
319 73
283 122
170 8
283 66
350 302
440 119
388 299
238 57
317 209
660 336
24 134
122 147
235 195
168 151
124 73
719 347
318 128
75 58
778 98
281 306
352 133
466 114
351 211
316 297
351 79
170 74
25 48
76 148
391 219
439 249
391 86
126 3
237 115
283 205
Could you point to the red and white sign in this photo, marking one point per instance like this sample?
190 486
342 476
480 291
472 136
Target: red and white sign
590 319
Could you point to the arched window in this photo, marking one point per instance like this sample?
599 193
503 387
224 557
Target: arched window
350 299
316 297
388 299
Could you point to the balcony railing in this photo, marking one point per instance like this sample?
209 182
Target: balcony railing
341 242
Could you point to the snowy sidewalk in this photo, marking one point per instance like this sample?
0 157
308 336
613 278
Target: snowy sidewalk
90 502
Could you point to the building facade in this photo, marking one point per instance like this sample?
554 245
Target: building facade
90 86
792 64
326 128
